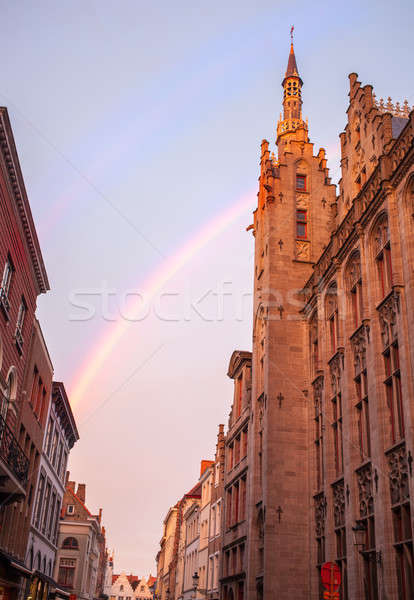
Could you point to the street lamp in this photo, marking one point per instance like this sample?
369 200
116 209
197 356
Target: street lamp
360 539
360 534
196 579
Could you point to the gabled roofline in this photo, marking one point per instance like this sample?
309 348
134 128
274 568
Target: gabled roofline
15 178
80 501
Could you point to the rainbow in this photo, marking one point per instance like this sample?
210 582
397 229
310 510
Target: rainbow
100 353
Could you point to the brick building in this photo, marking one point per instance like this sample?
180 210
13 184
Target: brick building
332 393
235 524
319 448
215 538
25 394
80 544
60 436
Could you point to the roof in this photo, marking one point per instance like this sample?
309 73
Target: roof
195 491
68 489
151 580
19 194
292 68
398 124
133 579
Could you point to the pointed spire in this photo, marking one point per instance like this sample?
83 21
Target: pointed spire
292 69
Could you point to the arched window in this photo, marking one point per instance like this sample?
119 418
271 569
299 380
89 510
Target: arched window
354 287
38 561
331 312
382 250
70 543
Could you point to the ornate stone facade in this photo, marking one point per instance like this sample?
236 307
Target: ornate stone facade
347 442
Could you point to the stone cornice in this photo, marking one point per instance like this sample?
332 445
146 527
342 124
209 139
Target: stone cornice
15 178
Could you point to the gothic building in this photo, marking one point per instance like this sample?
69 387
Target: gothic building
331 430
318 463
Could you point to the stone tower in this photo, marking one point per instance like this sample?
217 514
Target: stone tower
292 225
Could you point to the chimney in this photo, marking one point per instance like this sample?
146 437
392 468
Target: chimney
70 485
81 493
100 515
205 464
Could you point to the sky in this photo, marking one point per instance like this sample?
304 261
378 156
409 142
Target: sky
138 126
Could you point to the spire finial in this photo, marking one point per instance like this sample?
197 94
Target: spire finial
291 33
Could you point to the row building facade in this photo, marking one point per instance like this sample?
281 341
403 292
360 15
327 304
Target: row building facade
37 426
317 457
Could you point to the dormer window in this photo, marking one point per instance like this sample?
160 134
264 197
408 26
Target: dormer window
301 183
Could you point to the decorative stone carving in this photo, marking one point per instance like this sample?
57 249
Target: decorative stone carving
302 250
338 490
336 367
302 201
359 348
320 514
388 319
398 463
366 498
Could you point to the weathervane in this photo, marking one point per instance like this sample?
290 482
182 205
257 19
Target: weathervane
291 32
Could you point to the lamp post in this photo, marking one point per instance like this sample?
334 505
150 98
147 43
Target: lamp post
360 534
360 540
196 579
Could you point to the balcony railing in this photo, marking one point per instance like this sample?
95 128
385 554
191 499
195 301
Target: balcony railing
12 454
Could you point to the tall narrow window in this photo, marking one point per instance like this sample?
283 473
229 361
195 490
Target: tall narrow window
301 183
301 224
49 434
39 501
391 358
364 438
401 520
393 391
383 256
319 428
236 497
238 396
33 395
20 324
331 308
46 506
5 284
338 490
354 283
337 426
229 508
314 343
